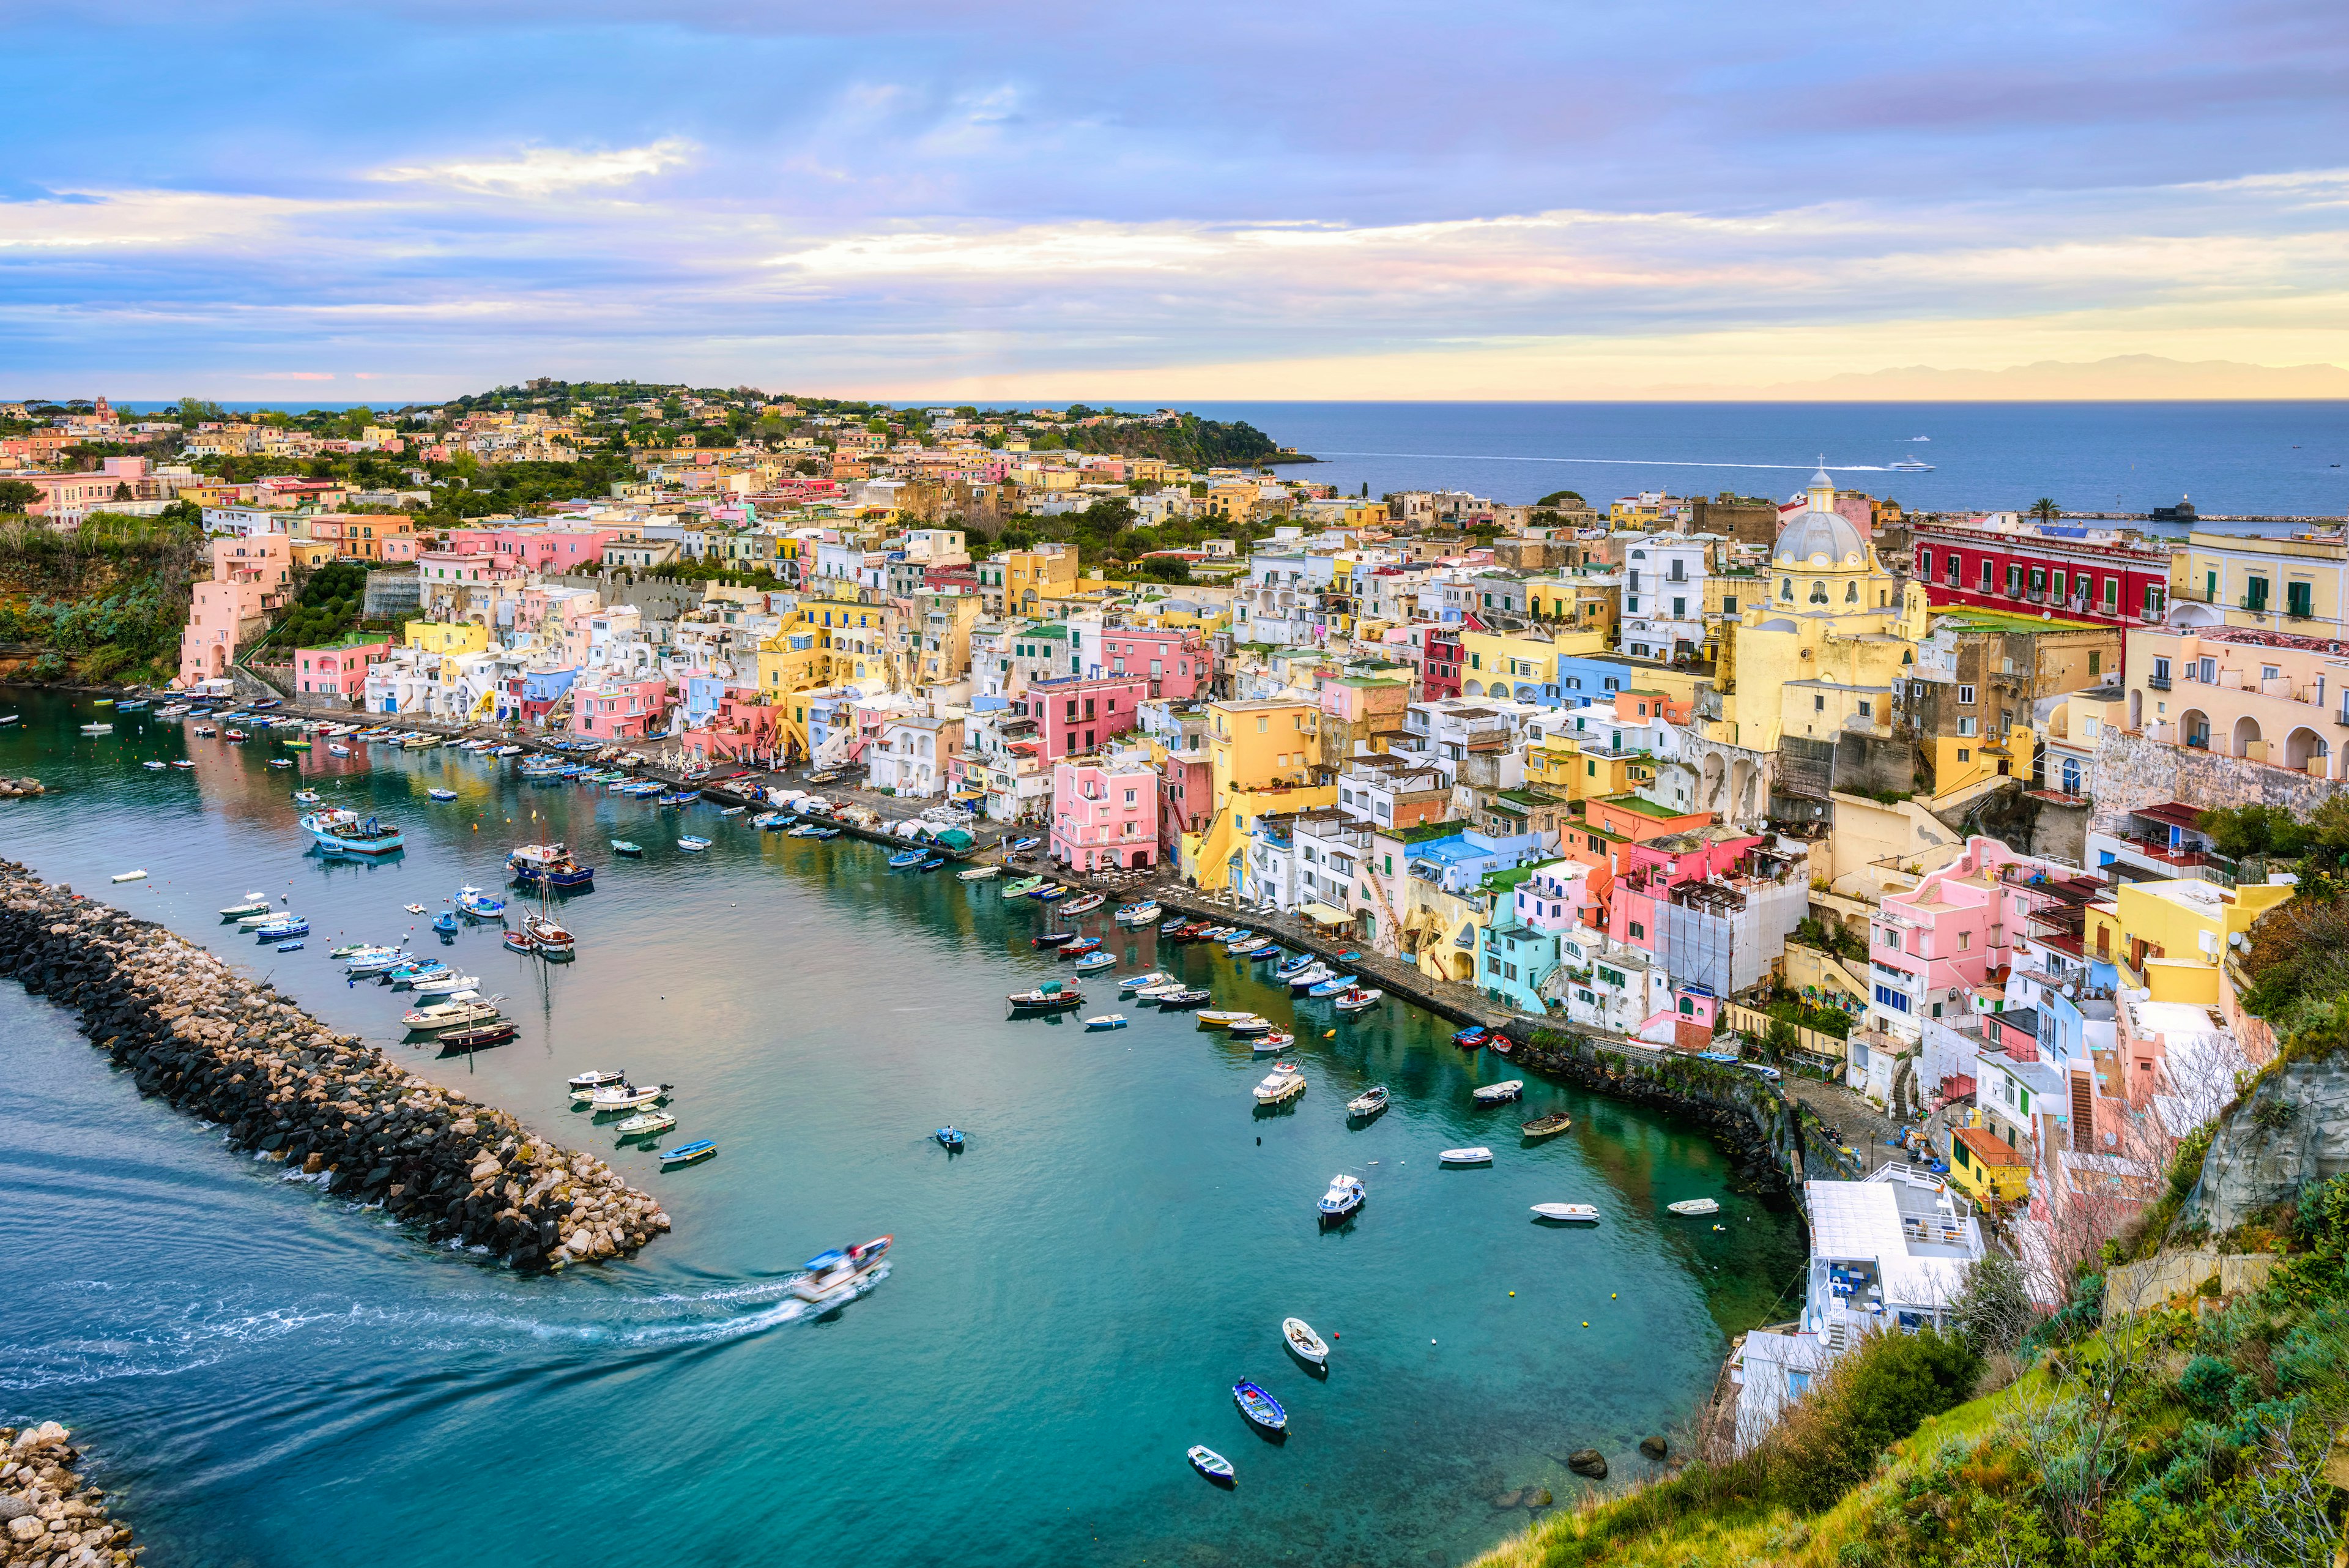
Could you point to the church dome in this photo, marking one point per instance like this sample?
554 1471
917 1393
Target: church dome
1820 535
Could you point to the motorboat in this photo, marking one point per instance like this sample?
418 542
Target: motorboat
1478 1156
1221 1020
1106 1021
623 847
1052 939
592 1080
284 925
549 865
626 1096
183 763
1283 1083
247 922
414 970
951 1136
1136 914
472 901
446 983
1358 1001
692 845
1694 1206
338 751
445 922
281 762
1253 1026
838 1277
1181 999
1909 465
645 1122
1305 980
1161 990
466 1007
98 728
1368 1103
136 876
1172 923
254 904
1050 997
437 792
352 833
1567 1213
1497 1094
152 766
1547 1126
906 859
1259 1407
1093 963
304 796
476 1038
1290 969
1083 905
1333 986
206 729
979 874
1138 982
1345 1196
1211 1464
366 963
1271 1043
1022 887
689 1153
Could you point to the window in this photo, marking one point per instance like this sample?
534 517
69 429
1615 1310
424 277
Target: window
1887 997
2299 599
1818 593
1965 696
1729 605
1964 755
2096 662
1924 562
2112 594
2161 673
1786 589
2015 581
2255 593
1986 571
1637 930
1966 726
1965 940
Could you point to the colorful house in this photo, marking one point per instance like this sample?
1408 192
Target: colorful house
1105 811
339 670
610 708
1986 1167
251 577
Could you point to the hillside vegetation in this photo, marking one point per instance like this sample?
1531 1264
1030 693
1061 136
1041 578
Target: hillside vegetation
107 601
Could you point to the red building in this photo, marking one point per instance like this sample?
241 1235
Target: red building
2104 575
1077 715
1439 672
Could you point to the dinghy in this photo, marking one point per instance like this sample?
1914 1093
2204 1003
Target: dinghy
1299 1336
1259 1407
1694 1206
1211 1464
1495 1093
1567 1213
1466 1157
1106 1021
688 1153
1548 1126
645 1122
1368 1103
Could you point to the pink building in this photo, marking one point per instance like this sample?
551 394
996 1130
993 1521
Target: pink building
537 549
1646 872
1105 812
1945 937
610 709
1175 661
1077 715
339 670
742 730
249 580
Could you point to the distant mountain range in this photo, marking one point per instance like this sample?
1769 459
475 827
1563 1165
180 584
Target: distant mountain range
2123 377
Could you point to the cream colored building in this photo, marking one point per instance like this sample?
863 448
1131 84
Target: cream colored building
2297 584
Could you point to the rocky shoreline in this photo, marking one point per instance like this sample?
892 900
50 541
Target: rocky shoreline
12 789
49 1518
228 1048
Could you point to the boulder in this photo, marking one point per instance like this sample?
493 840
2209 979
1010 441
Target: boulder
1655 1448
1587 1462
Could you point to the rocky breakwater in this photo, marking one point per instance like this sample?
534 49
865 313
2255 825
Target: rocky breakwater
223 1046
12 789
49 1518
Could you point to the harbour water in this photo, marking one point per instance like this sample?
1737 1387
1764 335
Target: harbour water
279 1377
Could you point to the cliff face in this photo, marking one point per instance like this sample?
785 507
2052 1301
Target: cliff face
2292 1128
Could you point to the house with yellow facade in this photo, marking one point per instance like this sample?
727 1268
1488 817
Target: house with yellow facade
2297 583
1023 582
1264 756
446 637
2171 937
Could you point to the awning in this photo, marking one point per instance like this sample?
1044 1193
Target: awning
970 794
1323 915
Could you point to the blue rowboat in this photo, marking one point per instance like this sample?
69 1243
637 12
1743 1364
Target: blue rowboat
1167 928
293 947
1046 895
686 1153
1259 1407
1337 985
446 921
1022 846
1092 963
931 864
1212 1465
622 847
950 1136
905 859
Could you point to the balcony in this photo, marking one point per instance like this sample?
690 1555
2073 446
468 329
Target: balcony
2158 682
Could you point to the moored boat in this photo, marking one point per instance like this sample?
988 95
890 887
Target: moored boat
1283 1083
643 1122
1171 1000
477 1037
1140 914
1475 1155
592 1080
623 847
553 940
1297 1334
906 859
467 1007
979 874
1495 1093
1022 886
1259 1407
254 904
1547 1126
1253 1026
1358 1000
1136 982
1271 1042
1106 1021
1567 1213
479 905
1052 939
351 833
1094 963
1221 1020
1211 1464
1085 905
1345 1196
1370 1101
1051 996
627 1096
549 865
689 1153
951 1136
692 845
1694 1206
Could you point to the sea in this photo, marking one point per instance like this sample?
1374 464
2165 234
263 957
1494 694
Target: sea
273 1375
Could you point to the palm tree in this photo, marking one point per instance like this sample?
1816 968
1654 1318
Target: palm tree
2045 509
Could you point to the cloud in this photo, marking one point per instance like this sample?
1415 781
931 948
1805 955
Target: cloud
547 171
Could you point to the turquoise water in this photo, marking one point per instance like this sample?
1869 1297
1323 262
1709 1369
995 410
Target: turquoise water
277 1377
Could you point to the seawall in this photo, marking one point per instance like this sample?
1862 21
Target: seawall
220 1045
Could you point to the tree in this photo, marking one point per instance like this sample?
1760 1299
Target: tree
15 494
1561 498
2239 830
2046 509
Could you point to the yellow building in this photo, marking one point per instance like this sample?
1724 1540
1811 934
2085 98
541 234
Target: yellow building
1503 664
1585 601
1562 766
1028 578
1212 858
2170 936
2298 583
447 636
1986 1167
1261 743
939 636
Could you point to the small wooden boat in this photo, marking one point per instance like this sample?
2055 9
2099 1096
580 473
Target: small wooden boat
1106 1021
1497 1094
520 942
691 844
1694 1206
1259 1407
1047 894
99 730
1160 991
1303 981
1357 1001
1137 982
1081 946
688 1153
1083 905
1022 846
979 874
1053 940
1249 1027
479 905
475 1038
627 1096
1136 914
1221 1020
622 847
441 794
1051 997
1093 963
152 766
1336 985
1172 923
1548 1126
1345 1196
1211 1464
905 860
1368 1103
294 947
181 762
732 810
338 751
307 797
447 983
1180 999
1478 1156
1021 889
1471 1038
279 929
1567 1213
644 1123
1290 969
1299 1336
950 1136
138 875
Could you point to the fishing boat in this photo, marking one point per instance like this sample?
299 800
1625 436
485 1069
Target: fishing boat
550 865
1297 1334
1093 963
1175 1000
206 729
467 1007
1345 1196
439 793
1022 846
1358 1001
138 875
591 1081
931 863
626 1096
1547 1126
1106 1021
1259 1407
1083 905
643 1122
254 904
152 766
368 962
1303 981
1022 887
1172 923
1251 1027
1052 939
1136 982
1496 1093
1567 1213
1050 997
1288 968
1368 1103
1271 1042
1081 946
408 973
553 940
979 874
481 906
810 830
350 831
950 1136
689 1153
522 942
1471 1038
98 728
1283 1083
691 844
1694 1206
623 847
906 859
445 921
838 1277
1477 1156
476 1038
1221 1019
1249 946
1136 914
1211 1464
283 927
307 797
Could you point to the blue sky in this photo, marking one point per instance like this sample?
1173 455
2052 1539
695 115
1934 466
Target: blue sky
1243 201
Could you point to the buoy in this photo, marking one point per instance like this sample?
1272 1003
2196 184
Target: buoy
1585 1322
1610 1295
1513 1293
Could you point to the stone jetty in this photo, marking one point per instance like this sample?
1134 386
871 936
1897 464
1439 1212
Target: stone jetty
220 1045
49 1518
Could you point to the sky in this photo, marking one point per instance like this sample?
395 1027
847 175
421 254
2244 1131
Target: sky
1546 199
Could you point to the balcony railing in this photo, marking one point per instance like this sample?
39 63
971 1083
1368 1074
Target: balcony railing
2158 682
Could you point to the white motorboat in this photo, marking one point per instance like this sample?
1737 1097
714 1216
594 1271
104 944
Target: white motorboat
1282 1083
464 1007
627 1096
840 1276
979 874
645 1122
592 1081
1358 1000
1368 1103
1496 1093
1143 981
1164 987
1306 1345
1270 1043
98 728
1345 1196
1478 1156
256 903
446 984
1694 1206
138 875
1569 1213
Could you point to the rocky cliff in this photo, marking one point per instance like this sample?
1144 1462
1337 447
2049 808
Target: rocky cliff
2290 1129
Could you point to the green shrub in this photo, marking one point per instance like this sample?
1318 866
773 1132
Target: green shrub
2209 1385
1868 1400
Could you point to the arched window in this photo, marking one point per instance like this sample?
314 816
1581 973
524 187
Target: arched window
1818 593
1786 589
1851 592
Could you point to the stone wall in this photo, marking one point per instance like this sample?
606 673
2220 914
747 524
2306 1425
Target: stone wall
2134 1287
1872 764
2129 770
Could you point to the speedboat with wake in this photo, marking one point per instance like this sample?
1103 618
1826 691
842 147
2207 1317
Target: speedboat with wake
838 1277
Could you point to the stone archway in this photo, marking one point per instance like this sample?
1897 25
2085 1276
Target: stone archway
1714 779
2305 745
2245 740
2194 729
1743 777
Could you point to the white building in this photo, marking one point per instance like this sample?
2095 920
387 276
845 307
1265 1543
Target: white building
1664 596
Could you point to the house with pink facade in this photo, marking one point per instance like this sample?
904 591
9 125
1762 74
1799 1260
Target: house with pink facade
339 670
1105 811
1175 661
1074 714
613 708
538 549
1648 871
1932 948
251 577
744 729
